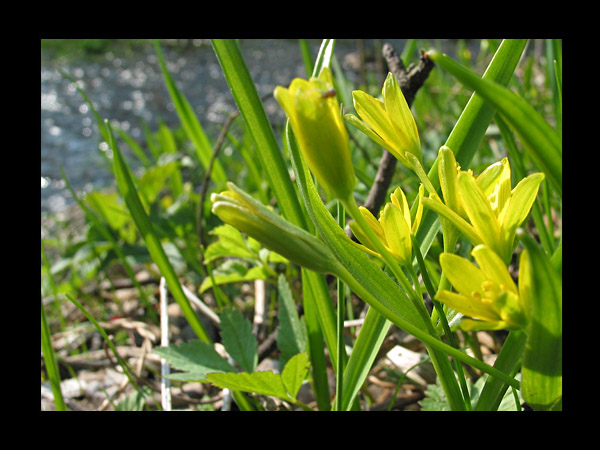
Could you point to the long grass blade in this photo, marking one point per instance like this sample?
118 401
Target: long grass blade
371 336
275 168
109 342
190 122
142 221
51 365
115 246
252 110
541 141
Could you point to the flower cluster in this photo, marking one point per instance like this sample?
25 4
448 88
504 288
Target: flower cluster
393 228
484 208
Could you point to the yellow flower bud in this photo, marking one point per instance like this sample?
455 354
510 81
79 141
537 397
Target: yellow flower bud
390 122
319 128
236 208
393 228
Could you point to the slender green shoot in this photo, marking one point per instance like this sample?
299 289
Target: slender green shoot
51 364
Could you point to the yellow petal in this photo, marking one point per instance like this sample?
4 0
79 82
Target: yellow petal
447 171
397 233
400 116
399 199
419 213
519 206
375 226
480 325
479 211
372 111
462 274
467 305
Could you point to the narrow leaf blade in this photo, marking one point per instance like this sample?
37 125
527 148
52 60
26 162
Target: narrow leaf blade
144 225
541 292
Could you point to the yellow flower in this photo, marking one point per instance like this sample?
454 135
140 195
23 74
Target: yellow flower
393 228
389 122
236 208
318 126
484 208
486 293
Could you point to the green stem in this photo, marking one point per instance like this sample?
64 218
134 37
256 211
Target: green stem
440 362
420 334
340 324
51 364
390 260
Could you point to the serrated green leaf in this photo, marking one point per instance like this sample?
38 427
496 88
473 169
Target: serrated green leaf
240 343
230 243
294 373
291 335
195 359
263 383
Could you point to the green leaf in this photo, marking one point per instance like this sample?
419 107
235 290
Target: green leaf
262 383
154 179
50 362
509 357
283 386
232 271
252 110
230 243
240 343
190 123
539 139
135 147
541 292
294 373
324 56
136 401
144 225
195 359
291 335
109 208
368 343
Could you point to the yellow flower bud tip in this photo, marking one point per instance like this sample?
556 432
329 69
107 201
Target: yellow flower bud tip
316 120
236 208
390 122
